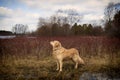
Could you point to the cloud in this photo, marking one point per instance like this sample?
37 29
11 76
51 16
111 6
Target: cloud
10 17
84 7
5 12
57 4
93 17
80 5
91 10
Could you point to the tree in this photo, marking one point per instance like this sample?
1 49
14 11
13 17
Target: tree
42 21
59 23
75 29
55 19
89 29
97 30
112 22
20 29
43 31
116 25
81 31
65 30
109 12
84 27
55 29
70 16
108 28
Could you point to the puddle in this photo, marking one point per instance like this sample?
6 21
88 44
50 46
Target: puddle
95 76
83 76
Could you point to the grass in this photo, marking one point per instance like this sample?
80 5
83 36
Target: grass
31 59
31 68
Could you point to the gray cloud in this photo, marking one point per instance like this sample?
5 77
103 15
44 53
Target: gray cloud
84 7
10 17
92 10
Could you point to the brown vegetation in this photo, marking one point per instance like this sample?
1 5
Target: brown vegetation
30 57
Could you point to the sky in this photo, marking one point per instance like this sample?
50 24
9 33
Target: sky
28 12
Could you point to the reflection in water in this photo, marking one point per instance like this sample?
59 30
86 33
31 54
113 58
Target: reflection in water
7 37
94 76
59 76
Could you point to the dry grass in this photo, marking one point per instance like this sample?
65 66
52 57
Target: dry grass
44 69
30 59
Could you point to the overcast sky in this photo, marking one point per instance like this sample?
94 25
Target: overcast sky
27 12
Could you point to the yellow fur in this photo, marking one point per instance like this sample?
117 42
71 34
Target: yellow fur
60 53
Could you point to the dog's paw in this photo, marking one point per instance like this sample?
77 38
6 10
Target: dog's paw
57 69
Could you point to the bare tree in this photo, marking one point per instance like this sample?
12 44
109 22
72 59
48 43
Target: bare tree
71 16
112 14
61 17
110 10
20 29
41 22
59 23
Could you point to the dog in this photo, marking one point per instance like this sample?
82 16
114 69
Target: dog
60 53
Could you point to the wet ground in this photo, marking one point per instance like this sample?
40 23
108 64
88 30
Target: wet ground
59 76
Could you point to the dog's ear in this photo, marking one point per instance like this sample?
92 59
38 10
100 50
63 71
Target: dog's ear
57 44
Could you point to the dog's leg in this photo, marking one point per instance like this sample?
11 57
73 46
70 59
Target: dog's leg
60 62
76 65
57 65
75 59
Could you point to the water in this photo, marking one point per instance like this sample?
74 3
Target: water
95 76
7 37
84 76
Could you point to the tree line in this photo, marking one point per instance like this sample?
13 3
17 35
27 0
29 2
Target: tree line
67 30
67 23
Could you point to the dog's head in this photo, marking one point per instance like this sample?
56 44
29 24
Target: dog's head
55 44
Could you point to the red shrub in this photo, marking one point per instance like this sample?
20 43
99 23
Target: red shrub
39 46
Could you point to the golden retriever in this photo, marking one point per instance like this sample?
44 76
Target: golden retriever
60 53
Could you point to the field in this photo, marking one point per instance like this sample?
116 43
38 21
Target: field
30 58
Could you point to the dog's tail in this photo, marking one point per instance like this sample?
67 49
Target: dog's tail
80 60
